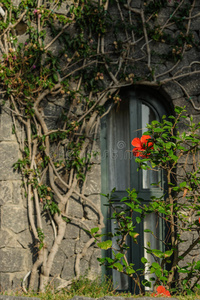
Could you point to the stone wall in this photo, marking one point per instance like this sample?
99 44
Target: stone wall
15 237
17 251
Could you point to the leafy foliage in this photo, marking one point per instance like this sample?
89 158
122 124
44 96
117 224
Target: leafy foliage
178 207
76 57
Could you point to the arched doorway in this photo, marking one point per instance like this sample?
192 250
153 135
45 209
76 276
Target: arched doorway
119 169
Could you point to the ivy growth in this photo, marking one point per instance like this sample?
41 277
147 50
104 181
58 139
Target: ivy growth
61 63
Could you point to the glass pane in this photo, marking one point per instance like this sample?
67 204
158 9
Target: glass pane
119 148
148 115
151 222
148 176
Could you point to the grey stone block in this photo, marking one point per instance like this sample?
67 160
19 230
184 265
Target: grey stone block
6 124
9 155
5 237
12 260
96 151
5 192
72 231
191 84
173 90
84 235
84 267
58 263
75 208
17 192
68 271
14 218
48 231
52 115
24 238
94 265
93 181
89 211
68 247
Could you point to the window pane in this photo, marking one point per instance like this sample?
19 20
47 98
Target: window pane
151 222
148 115
148 176
118 142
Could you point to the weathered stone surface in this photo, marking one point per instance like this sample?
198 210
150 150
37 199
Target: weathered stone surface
12 260
79 246
183 102
96 151
9 155
68 247
6 125
173 90
84 267
94 265
52 115
68 271
17 192
87 225
5 192
58 263
93 181
72 231
14 218
5 237
24 238
75 208
89 211
48 231
191 84
5 282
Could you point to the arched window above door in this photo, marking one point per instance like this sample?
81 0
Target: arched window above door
119 169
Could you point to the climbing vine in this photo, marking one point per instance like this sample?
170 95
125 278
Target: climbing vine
81 52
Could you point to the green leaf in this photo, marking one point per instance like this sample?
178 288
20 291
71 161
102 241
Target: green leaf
183 184
124 262
168 253
158 130
144 260
138 210
133 234
163 278
118 266
156 265
157 253
105 244
130 270
119 255
158 273
94 230
138 220
147 230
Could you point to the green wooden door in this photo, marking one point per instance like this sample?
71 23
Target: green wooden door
119 169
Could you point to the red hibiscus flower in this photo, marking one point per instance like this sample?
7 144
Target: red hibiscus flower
161 291
141 145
